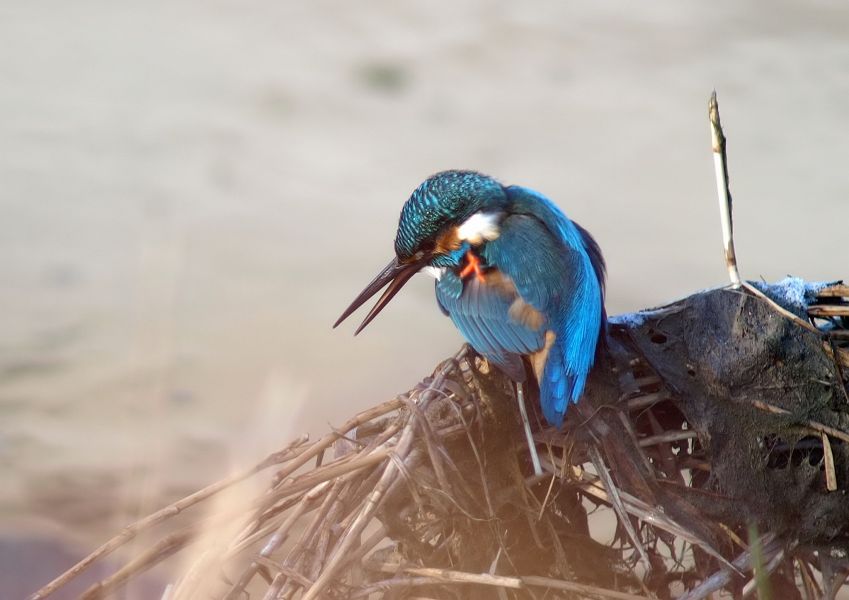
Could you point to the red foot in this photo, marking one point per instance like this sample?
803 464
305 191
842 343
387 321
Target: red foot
472 267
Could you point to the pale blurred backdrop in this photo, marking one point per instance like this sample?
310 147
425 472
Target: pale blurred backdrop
191 192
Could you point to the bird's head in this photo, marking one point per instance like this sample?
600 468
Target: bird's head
444 217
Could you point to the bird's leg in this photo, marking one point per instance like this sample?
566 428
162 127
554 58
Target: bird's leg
473 266
520 398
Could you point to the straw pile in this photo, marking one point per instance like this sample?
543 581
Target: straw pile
710 453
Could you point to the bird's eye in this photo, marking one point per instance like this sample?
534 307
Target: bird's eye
426 247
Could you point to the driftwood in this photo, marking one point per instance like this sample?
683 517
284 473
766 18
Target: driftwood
710 452
707 420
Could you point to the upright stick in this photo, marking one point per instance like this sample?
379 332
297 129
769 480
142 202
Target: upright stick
526 424
720 163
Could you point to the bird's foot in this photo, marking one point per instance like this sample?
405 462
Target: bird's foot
473 267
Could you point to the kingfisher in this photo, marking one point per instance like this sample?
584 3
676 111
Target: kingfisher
523 283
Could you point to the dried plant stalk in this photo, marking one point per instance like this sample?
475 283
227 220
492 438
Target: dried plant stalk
720 161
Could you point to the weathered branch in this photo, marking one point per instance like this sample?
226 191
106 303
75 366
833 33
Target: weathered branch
723 189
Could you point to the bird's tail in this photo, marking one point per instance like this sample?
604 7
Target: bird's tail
561 385
600 269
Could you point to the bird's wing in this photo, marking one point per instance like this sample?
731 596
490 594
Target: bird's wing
482 312
560 272
577 295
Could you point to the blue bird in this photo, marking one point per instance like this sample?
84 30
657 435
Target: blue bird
522 282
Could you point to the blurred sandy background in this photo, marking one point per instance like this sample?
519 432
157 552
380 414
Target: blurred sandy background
190 192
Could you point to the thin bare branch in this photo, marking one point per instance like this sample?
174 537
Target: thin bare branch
720 162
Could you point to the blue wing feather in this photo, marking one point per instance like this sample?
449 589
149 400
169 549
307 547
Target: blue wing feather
481 313
578 306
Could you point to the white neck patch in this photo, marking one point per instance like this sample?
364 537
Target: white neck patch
479 227
435 272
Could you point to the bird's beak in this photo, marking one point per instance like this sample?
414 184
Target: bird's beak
395 274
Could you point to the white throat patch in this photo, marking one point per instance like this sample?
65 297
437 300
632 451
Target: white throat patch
479 227
435 272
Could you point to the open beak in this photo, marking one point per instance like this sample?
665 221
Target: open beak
395 274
